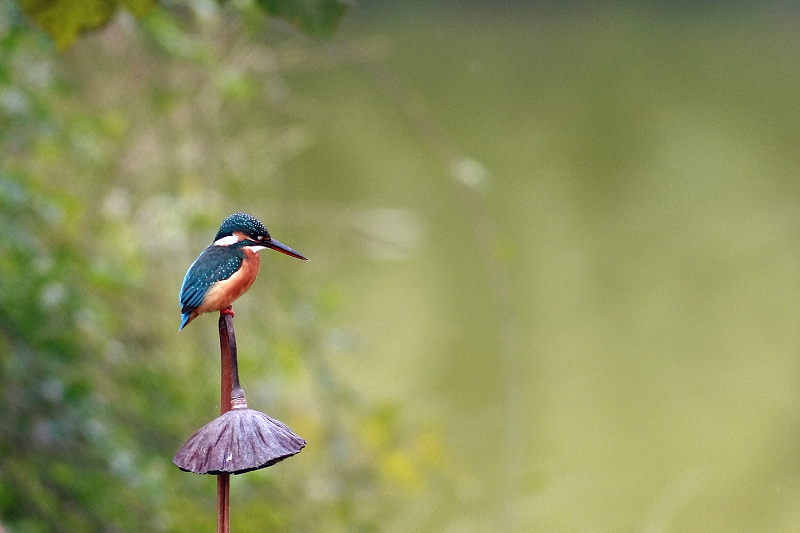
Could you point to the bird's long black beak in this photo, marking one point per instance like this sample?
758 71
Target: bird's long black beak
282 248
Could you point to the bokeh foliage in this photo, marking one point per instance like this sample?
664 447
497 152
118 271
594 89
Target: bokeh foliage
61 447
98 218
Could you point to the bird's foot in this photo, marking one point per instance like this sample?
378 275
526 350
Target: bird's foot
227 311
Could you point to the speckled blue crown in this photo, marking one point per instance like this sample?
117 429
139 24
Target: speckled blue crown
247 224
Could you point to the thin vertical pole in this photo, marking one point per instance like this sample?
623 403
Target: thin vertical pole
223 480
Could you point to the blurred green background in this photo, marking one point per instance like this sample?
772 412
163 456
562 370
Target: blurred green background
553 279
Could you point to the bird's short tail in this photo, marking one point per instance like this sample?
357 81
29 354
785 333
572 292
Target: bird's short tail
185 318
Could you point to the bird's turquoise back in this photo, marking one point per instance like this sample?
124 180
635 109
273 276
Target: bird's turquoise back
215 264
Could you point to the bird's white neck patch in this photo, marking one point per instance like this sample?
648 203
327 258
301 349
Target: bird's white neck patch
256 248
227 240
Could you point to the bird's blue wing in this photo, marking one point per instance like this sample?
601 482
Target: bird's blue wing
216 263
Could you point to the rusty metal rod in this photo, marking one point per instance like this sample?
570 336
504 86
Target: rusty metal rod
227 345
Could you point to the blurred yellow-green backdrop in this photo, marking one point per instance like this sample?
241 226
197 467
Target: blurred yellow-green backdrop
553 282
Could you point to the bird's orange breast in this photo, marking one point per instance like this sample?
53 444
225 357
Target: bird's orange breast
223 293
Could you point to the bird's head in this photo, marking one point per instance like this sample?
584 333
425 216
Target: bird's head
246 230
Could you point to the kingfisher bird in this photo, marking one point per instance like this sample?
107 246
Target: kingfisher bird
226 269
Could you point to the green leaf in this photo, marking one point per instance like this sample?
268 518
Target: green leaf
65 19
317 18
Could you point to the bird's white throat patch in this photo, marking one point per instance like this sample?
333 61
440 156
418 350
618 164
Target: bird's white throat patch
227 240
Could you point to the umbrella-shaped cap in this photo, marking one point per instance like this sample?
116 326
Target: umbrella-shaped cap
238 441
